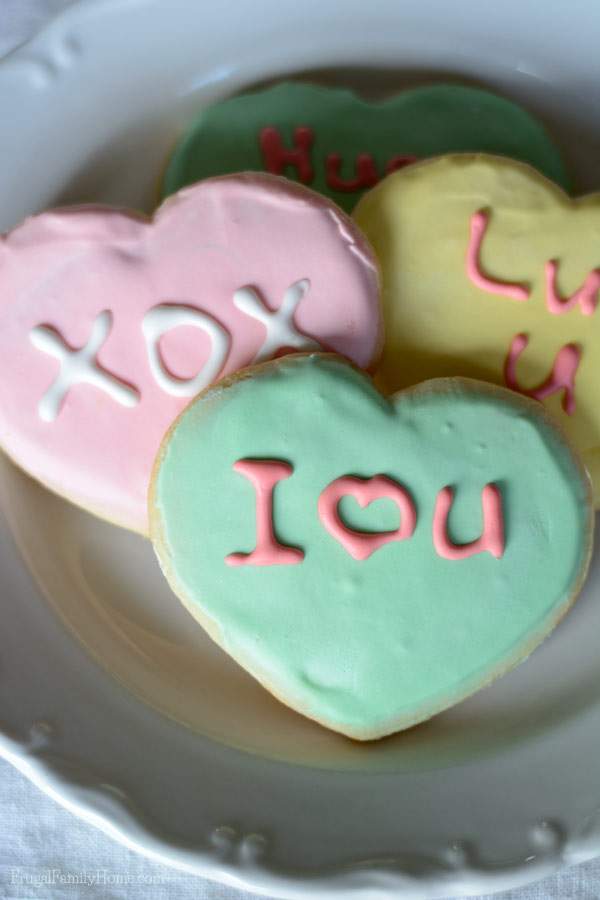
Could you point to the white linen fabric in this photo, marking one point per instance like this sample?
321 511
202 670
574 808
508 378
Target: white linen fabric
45 852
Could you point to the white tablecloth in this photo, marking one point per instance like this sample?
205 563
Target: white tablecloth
47 853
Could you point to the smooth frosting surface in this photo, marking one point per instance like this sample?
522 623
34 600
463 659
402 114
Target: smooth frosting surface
109 323
492 272
341 145
370 642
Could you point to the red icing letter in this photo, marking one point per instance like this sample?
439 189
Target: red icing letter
492 538
264 475
561 378
366 173
586 296
479 223
276 157
398 162
360 545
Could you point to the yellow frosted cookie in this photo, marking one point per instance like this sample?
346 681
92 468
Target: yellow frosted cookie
493 272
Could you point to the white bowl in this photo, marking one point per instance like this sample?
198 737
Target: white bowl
178 752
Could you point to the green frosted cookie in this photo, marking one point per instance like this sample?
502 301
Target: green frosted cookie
342 145
371 561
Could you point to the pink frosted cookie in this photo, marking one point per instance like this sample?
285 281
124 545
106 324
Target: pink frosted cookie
111 323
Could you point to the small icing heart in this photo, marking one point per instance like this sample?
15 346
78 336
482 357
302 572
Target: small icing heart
111 323
341 145
370 561
490 271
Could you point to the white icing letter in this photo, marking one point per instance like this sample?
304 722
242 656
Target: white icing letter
279 324
163 318
79 367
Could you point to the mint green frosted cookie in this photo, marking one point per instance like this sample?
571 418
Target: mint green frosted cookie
342 145
370 561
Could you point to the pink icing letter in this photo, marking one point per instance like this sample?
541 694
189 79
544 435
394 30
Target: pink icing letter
264 475
492 538
360 545
398 162
366 173
561 378
276 157
479 223
586 296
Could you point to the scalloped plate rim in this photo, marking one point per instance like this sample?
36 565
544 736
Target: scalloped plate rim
241 867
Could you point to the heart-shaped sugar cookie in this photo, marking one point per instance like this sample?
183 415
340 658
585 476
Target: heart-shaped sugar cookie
370 561
110 323
492 272
341 145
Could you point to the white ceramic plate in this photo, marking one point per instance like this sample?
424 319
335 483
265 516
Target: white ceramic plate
111 698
